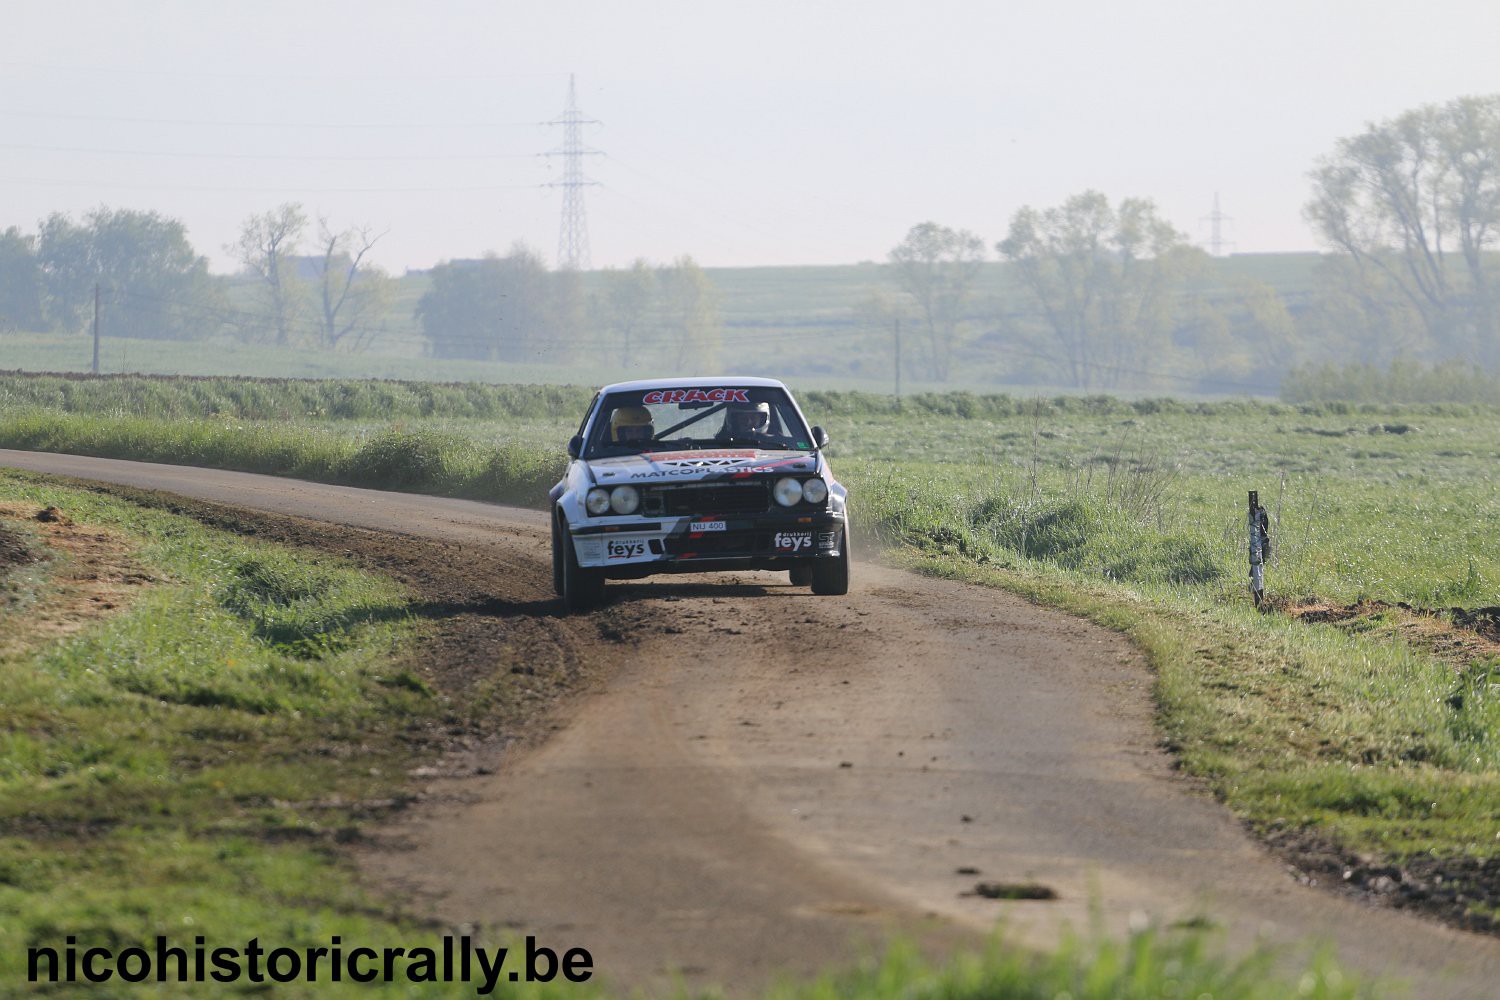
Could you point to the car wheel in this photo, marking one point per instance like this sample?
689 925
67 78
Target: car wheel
831 576
582 587
557 554
801 575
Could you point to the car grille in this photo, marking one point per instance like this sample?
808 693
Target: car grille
706 498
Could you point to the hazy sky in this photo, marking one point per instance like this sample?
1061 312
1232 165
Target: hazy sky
742 133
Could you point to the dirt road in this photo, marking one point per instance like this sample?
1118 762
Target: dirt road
768 781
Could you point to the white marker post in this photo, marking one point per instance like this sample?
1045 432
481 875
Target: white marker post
1260 547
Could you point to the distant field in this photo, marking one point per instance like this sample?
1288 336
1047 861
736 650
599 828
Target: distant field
798 323
1342 717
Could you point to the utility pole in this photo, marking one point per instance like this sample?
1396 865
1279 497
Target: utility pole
898 358
96 328
573 229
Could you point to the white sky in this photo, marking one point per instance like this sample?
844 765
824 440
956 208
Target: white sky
743 133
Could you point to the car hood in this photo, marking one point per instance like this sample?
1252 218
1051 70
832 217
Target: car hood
699 465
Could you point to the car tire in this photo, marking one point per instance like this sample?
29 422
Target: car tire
557 554
801 575
582 587
831 576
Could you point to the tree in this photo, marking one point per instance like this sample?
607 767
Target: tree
690 316
1414 202
353 294
495 308
156 285
20 282
631 297
265 249
937 267
1103 279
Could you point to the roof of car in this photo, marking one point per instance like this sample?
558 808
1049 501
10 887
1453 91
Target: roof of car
698 382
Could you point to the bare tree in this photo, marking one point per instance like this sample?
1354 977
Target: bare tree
938 267
266 245
1415 204
353 293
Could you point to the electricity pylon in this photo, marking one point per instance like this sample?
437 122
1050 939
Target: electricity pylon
573 229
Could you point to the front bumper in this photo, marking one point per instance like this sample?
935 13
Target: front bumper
641 546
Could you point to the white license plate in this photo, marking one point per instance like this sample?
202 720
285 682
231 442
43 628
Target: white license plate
697 526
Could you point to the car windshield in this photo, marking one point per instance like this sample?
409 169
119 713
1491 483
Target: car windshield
696 418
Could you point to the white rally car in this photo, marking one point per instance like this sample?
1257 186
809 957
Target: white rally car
696 474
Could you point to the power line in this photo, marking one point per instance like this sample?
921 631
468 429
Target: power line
212 189
197 154
194 74
131 120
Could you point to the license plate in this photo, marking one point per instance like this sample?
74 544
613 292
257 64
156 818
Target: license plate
698 526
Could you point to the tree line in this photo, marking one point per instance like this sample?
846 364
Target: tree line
305 282
1110 295
1099 294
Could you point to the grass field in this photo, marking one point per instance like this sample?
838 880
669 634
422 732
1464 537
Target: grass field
186 764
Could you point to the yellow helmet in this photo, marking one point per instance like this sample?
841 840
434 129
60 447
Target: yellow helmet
630 423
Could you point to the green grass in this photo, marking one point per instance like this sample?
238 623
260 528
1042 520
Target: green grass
189 766
163 772
1128 512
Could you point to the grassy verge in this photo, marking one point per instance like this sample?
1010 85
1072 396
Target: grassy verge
187 765
191 765
1384 751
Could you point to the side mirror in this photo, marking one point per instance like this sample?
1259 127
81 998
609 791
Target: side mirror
820 437
575 446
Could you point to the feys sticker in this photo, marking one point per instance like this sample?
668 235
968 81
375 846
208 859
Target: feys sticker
720 395
617 549
793 541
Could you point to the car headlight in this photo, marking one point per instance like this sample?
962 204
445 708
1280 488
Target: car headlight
597 501
787 491
814 490
625 500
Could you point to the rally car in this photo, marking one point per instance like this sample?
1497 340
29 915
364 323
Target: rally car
693 475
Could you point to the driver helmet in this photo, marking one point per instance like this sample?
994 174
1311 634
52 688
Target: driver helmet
631 424
748 418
